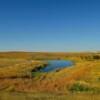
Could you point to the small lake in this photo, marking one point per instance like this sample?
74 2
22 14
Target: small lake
56 65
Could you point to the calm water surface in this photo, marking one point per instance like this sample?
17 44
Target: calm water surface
56 64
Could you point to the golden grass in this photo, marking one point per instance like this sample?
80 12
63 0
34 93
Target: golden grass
82 79
19 69
59 82
47 96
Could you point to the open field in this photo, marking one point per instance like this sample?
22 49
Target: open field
46 96
79 82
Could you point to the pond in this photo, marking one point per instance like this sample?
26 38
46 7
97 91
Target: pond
56 65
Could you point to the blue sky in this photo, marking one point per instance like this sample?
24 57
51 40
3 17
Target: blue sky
49 25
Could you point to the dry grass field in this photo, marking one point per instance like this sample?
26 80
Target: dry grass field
78 82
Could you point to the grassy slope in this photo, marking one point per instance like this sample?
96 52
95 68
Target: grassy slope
80 81
46 96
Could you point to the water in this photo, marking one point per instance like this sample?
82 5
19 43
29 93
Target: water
55 65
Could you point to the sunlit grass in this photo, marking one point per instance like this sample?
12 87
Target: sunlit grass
19 74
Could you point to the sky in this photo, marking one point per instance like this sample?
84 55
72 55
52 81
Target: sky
50 25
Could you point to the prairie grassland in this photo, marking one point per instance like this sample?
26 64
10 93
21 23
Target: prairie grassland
47 96
61 81
79 82
19 69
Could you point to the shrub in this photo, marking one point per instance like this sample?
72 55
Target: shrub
81 87
96 57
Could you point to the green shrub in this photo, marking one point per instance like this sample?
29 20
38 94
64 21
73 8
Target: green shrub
77 87
35 74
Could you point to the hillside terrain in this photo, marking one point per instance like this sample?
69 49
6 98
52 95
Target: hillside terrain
20 79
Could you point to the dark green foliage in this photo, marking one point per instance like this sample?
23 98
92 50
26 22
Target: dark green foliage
96 57
90 57
77 87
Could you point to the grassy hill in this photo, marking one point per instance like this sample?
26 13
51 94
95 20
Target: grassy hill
81 81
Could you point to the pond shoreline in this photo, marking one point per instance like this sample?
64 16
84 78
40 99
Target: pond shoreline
53 65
